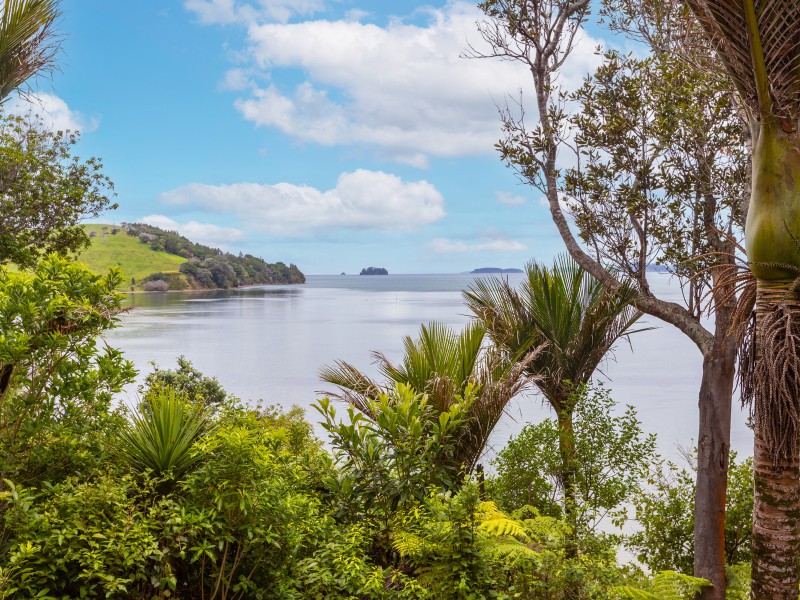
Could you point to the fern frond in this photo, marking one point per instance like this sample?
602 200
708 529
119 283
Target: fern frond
510 550
670 585
497 523
626 592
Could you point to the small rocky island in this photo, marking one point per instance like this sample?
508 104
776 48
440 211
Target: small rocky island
374 271
495 270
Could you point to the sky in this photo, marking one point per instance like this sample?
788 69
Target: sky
333 134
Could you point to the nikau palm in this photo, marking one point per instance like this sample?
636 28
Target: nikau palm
759 43
574 321
443 364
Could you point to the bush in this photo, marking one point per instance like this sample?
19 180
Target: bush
158 285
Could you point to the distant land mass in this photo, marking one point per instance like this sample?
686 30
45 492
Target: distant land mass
152 259
374 271
496 270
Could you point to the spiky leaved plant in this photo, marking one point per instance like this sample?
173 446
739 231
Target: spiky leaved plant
161 434
758 41
575 321
445 365
29 42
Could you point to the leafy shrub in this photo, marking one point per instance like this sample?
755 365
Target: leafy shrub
158 285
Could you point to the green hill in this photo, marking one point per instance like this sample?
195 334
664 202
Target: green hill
159 260
136 260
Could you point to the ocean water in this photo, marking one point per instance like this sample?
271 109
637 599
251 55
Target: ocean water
268 343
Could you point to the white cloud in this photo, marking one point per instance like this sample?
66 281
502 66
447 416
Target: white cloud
445 246
54 112
361 200
201 233
401 88
509 199
225 12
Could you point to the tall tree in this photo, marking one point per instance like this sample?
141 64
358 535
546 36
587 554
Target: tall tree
445 365
574 321
29 42
659 180
758 41
45 191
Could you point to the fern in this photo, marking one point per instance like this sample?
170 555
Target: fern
496 523
667 585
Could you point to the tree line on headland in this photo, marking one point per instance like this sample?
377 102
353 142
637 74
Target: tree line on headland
207 267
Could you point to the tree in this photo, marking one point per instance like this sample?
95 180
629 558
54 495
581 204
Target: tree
612 458
574 321
660 179
759 45
56 384
29 42
448 367
45 191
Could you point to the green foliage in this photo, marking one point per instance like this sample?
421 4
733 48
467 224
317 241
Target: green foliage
207 267
612 456
188 381
29 42
391 455
56 381
447 366
665 514
160 436
46 190
667 585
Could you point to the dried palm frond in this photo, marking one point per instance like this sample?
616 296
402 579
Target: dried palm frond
759 43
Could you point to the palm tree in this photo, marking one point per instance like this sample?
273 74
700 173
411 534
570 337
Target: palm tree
758 42
574 320
443 364
29 42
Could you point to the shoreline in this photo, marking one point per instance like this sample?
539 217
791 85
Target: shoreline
241 287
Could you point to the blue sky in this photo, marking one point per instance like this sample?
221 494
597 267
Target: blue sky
335 134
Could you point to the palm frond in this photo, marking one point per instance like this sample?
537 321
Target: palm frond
764 65
562 313
28 41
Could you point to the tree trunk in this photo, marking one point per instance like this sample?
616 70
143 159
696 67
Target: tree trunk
566 449
776 460
716 388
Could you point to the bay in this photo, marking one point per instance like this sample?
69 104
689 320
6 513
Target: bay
268 343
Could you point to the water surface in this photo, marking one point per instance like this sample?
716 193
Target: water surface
269 342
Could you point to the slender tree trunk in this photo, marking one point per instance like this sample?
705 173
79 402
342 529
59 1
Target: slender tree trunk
566 448
713 448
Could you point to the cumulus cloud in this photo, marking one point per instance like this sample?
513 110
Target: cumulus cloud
445 246
361 200
202 233
54 112
401 88
509 199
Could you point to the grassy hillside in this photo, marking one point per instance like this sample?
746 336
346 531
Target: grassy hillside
136 260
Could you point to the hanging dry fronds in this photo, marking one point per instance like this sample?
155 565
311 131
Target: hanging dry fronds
769 370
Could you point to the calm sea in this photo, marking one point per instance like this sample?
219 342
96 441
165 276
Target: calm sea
269 342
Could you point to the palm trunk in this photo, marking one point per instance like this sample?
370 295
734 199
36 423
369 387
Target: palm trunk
771 367
776 463
566 449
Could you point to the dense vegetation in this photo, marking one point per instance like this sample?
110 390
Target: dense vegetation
374 271
194 493
194 266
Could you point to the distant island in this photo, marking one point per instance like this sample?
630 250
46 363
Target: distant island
154 260
495 270
374 271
